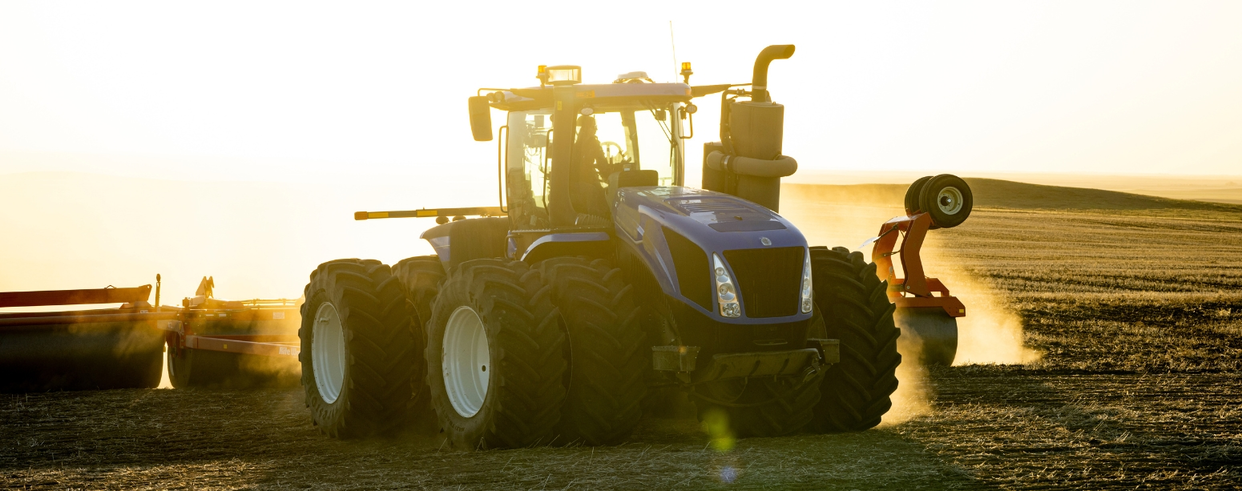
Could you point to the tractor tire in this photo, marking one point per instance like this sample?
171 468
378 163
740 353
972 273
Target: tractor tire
607 360
930 335
948 199
422 277
912 195
358 352
854 308
759 407
495 356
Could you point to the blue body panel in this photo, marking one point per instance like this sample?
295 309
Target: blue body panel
562 238
714 221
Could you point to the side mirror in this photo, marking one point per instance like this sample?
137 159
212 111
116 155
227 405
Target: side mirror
481 119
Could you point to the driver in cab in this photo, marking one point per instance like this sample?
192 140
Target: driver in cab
591 169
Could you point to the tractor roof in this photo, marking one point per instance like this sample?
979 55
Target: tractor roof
599 95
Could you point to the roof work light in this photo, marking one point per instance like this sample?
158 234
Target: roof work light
564 74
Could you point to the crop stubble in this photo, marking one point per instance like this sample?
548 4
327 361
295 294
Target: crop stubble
1137 314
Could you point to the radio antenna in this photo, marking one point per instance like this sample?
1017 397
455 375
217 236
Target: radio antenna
673 42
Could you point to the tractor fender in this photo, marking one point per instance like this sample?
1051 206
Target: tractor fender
462 240
590 244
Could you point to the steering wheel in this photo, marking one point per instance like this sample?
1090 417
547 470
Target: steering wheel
616 157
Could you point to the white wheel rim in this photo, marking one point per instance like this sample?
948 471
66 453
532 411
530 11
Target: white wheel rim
949 200
465 361
328 353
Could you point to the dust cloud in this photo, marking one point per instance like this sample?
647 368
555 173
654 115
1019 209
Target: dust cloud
990 332
834 215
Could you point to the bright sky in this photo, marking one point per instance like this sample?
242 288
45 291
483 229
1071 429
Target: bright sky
274 90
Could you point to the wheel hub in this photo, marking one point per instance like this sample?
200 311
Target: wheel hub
328 352
465 361
949 200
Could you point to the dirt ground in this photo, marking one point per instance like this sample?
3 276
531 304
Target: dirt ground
1135 317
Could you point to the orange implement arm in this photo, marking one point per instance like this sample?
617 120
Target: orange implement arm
916 290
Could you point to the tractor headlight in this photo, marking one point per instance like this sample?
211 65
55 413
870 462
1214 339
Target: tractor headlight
726 292
808 294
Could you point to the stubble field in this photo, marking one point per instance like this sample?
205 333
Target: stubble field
1118 319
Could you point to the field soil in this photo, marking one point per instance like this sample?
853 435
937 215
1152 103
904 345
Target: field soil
1103 350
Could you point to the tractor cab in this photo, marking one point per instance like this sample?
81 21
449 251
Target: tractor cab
565 148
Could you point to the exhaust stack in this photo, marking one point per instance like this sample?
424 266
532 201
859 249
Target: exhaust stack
748 162
759 80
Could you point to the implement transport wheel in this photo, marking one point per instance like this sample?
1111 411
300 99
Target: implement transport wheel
912 195
189 367
758 407
607 361
495 360
853 307
193 368
929 334
948 199
358 352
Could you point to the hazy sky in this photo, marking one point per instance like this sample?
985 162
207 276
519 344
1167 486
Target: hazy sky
270 90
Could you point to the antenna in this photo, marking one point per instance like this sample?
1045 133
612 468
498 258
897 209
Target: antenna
673 42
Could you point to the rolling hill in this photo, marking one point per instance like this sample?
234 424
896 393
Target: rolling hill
996 193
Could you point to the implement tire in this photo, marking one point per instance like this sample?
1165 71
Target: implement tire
913 193
948 199
607 361
189 367
758 407
929 335
358 352
81 356
495 360
855 309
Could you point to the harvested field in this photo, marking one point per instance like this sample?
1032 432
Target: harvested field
1132 307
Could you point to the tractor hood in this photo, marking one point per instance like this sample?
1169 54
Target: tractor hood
715 221
677 230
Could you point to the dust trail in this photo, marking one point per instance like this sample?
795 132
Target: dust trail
991 332
913 396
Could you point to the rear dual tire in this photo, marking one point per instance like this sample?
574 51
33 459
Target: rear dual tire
495 348
359 356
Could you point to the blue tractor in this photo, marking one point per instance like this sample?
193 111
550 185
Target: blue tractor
602 284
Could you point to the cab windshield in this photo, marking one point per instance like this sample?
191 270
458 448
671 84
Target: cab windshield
628 138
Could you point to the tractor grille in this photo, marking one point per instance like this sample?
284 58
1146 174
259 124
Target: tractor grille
768 279
693 274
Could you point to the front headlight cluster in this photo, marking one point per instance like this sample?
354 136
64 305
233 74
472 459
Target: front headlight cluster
808 297
726 289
